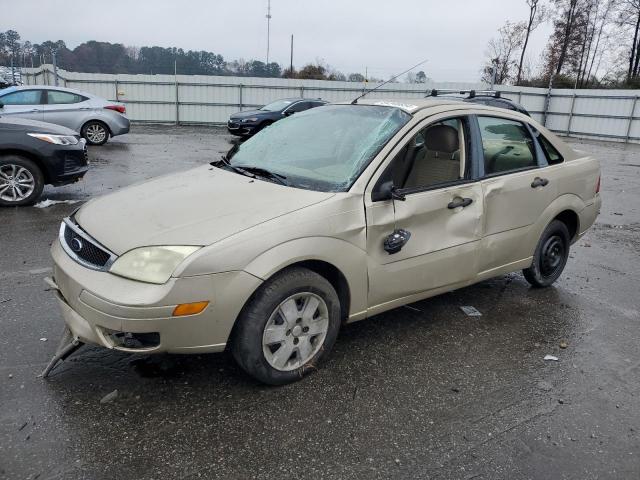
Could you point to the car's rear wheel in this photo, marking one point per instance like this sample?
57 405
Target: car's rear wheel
288 327
21 181
95 132
550 257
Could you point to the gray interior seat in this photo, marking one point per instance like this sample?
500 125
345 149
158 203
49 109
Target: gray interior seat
441 160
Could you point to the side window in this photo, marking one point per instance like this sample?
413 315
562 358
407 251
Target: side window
434 156
299 107
56 97
552 154
22 97
507 145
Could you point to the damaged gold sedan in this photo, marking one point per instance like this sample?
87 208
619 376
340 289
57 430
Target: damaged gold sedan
330 216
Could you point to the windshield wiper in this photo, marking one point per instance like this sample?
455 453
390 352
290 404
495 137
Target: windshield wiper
225 161
263 172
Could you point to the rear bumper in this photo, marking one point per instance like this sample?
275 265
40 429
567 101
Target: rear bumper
99 307
119 125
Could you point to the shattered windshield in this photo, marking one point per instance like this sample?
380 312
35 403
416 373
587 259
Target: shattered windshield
324 148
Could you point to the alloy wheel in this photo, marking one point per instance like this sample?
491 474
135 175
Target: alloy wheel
16 183
96 133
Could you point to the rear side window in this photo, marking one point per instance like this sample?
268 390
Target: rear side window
507 145
56 97
22 97
552 154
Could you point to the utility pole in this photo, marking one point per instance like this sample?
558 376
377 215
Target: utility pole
268 27
291 65
13 72
55 67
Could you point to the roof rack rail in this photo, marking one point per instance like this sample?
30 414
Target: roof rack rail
471 93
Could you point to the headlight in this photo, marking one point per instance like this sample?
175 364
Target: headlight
252 119
55 139
151 264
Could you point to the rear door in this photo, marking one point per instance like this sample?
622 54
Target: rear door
25 103
66 108
442 210
515 188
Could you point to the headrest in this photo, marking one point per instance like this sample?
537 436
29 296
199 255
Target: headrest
442 138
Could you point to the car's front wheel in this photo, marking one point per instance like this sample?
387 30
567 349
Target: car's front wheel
95 132
21 181
550 257
288 327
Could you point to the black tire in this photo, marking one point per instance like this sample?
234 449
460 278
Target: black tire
247 342
7 162
95 132
550 257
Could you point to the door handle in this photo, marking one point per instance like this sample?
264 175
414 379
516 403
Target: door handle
459 202
85 108
539 182
35 110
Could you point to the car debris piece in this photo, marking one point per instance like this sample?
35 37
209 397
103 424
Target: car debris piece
471 311
563 344
109 397
551 358
68 344
48 202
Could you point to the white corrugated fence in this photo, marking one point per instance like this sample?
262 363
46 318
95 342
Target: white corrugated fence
199 99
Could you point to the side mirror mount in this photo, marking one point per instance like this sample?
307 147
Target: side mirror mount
387 191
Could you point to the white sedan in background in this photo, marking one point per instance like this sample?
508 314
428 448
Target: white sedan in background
95 118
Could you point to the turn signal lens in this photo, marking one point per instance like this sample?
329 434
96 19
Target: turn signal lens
189 308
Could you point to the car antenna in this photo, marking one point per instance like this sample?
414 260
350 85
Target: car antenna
355 100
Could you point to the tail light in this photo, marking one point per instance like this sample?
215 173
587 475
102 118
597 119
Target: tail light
118 108
598 185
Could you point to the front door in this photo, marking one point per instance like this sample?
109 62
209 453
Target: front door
23 104
437 203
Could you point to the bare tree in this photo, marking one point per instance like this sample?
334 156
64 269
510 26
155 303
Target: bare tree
501 52
629 17
536 17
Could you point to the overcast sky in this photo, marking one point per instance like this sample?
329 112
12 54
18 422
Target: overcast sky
387 37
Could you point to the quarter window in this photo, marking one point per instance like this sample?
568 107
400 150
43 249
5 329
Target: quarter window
22 97
552 154
507 145
56 97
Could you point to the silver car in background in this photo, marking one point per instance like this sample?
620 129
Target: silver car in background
95 118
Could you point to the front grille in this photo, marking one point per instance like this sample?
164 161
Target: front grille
84 249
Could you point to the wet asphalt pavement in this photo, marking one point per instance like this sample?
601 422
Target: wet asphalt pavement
419 392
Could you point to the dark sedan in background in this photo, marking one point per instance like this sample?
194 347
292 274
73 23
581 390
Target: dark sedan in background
250 122
33 154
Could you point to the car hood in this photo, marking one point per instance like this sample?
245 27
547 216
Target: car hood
250 113
197 207
33 126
